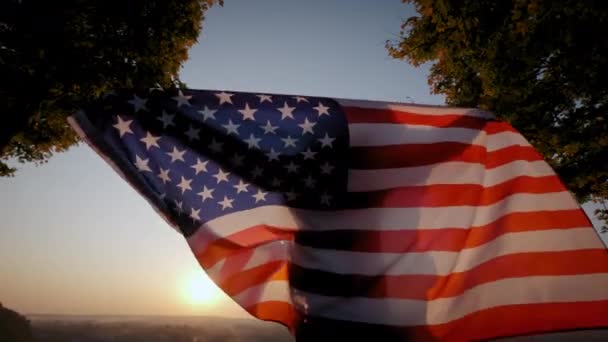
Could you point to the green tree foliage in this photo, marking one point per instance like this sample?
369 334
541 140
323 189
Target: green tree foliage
540 65
56 55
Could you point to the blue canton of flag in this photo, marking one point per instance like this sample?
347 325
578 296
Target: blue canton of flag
204 154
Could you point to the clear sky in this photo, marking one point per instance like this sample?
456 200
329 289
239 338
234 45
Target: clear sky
76 239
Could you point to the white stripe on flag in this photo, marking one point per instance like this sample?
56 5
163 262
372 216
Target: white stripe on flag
505 139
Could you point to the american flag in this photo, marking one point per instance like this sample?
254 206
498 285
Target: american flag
360 218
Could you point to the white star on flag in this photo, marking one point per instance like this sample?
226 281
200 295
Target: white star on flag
184 184
164 175
206 193
150 141
167 119
286 111
248 112
207 113
269 128
226 203
289 141
272 155
321 109
231 128
265 98
179 206
260 196
241 187
176 154
292 167
194 214
138 103
142 164
327 141
300 99
308 154
123 126
192 133
309 182
276 182
307 126
224 97
256 172
291 195
182 99
252 141
325 198
326 168
200 166
221 176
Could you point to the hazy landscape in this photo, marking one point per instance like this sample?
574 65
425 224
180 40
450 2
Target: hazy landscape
57 328
153 328
16 327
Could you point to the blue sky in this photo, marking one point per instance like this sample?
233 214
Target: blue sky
76 239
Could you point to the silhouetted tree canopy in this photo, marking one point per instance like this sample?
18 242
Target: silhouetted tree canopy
57 55
539 65
14 327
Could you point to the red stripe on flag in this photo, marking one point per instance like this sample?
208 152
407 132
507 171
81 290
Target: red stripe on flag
410 155
509 154
494 127
275 311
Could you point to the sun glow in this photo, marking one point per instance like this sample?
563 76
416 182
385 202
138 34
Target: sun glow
198 290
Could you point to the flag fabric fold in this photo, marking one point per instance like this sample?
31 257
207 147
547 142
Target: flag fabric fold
360 218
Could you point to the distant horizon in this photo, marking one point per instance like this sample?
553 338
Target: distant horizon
131 315
165 319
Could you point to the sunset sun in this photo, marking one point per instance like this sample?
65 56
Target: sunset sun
198 290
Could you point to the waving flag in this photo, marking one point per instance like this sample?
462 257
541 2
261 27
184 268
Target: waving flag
358 218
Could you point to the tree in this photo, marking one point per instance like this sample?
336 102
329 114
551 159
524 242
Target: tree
57 55
14 327
539 65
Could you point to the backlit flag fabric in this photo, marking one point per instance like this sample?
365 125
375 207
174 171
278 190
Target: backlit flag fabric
358 218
